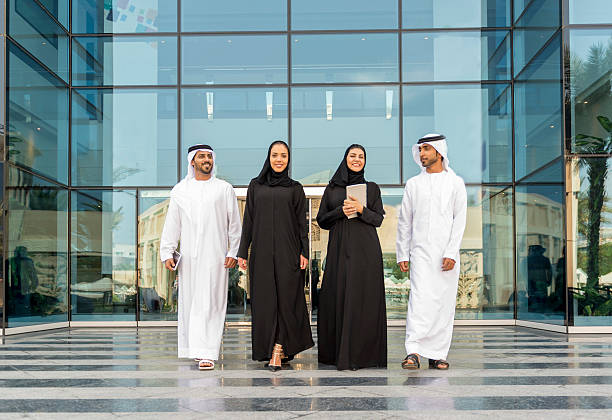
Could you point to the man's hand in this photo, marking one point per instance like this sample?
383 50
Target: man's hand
230 262
242 263
169 264
303 262
448 264
404 266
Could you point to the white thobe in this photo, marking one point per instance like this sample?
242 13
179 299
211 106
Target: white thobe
204 217
430 228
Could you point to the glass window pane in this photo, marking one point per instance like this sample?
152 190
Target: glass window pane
591 235
123 16
327 120
105 61
455 14
37 251
109 148
239 124
237 15
542 64
58 8
479 137
33 29
157 287
234 59
344 58
433 56
591 97
593 12
540 253
343 14
37 117
537 119
103 277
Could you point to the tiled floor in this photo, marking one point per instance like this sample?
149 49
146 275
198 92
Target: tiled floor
496 372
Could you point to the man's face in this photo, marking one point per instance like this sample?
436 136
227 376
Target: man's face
203 162
428 154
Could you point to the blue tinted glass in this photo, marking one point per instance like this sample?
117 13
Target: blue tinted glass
103 277
325 121
37 251
123 16
545 65
479 136
542 13
590 66
239 124
551 172
455 14
344 58
104 61
31 27
37 116
537 119
234 59
236 15
595 11
344 14
433 56
540 253
58 8
124 137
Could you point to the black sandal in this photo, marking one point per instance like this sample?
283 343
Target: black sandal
411 362
438 364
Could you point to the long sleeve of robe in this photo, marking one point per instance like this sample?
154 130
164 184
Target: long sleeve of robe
430 227
203 216
352 324
275 228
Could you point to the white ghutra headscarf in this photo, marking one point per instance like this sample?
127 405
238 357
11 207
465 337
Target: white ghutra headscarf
438 142
191 154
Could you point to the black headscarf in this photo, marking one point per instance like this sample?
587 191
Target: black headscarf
344 175
269 176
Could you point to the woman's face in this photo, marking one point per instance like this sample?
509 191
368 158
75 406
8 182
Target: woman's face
279 157
355 159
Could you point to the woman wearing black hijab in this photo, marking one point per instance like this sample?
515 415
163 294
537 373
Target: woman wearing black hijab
352 324
275 225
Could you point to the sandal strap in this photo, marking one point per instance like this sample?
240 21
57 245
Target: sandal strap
411 358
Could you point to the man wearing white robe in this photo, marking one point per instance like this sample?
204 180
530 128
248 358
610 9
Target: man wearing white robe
429 232
203 216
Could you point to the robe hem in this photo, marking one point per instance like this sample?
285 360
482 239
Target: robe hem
425 353
198 354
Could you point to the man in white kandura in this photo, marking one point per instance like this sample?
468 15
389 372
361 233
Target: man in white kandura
203 215
429 231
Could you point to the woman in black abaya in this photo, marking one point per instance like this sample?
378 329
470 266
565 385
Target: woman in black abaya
275 226
352 324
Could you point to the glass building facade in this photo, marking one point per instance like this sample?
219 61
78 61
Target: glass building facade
102 98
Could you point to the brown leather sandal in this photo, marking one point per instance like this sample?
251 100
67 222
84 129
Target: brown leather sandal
411 362
438 364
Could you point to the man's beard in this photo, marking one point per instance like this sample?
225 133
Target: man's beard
202 169
428 162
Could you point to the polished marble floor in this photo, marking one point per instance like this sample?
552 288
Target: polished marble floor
496 372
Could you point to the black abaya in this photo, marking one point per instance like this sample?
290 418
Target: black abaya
275 225
352 324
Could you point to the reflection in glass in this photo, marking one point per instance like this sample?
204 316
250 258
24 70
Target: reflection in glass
590 89
479 137
343 14
455 14
32 28
122 16
103 277
37 251
545 65
110 148
433 56
327 120
37 117
239 124
540 253
234 59
596 11
236 15
590 229
106 61
344 58
157 286
59 9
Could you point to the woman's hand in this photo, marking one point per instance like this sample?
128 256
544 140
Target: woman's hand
352 206
303 262
242 263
